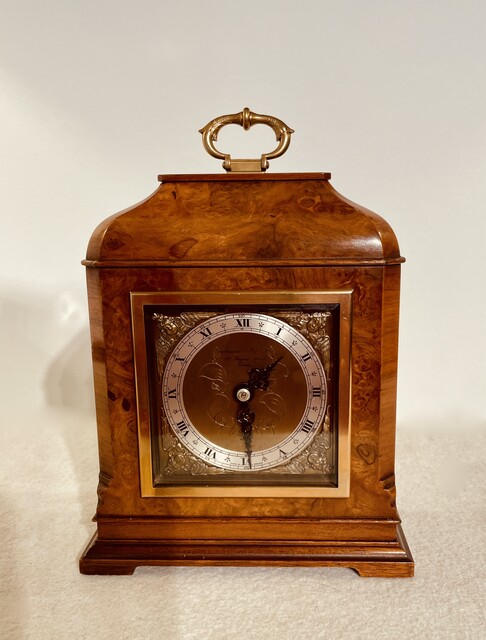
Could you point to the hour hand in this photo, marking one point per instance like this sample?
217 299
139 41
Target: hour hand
260 378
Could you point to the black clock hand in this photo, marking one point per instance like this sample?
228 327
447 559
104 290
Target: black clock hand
260 378
245 417
257 379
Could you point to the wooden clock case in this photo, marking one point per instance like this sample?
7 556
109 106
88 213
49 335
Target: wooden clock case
247 232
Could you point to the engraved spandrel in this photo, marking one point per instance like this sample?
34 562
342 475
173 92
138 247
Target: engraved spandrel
318 456
313 327
178 460
171 329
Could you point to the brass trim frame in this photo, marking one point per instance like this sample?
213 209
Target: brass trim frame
262 298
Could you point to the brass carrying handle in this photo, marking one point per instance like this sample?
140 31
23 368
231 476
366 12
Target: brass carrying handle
246 119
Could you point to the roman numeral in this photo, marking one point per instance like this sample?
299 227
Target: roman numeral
243 322
283 454
205 332
183 428
210 453
279 330
180 359
307 426
306 357
171 393
316 392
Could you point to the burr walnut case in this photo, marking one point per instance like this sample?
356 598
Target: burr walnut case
244 334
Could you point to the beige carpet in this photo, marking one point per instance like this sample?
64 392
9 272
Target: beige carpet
49 477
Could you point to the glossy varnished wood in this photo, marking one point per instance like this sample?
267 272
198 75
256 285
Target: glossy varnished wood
369 559
256 221
247 235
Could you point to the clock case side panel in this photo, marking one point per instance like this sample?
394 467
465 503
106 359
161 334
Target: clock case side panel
101 392
389 375
375 355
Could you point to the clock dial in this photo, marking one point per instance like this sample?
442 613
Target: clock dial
244 391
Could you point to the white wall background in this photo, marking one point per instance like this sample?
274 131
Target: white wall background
98 97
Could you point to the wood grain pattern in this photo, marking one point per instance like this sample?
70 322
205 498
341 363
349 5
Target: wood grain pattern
247 235
227 222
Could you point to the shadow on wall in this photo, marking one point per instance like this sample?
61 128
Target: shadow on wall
68 381
45 351
46 377
68 388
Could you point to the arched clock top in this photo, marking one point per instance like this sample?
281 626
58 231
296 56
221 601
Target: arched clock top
263 219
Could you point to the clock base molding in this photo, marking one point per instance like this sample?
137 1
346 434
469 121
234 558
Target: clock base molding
385 556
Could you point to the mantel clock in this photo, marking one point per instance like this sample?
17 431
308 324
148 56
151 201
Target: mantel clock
244 335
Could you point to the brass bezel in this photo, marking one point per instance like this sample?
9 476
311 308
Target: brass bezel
262 299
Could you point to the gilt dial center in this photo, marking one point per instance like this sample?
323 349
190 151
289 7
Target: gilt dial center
243 394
